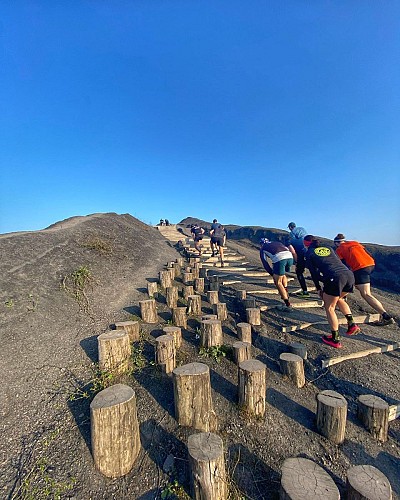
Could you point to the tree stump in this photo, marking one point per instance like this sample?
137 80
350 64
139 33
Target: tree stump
207 467
199 285
367 482
193 260
195 273
293 368
331 415
172 274
132 328
252 386
187 290
114 430
179 317
241 294
211 333
220 310
172 296
176 332
114 351
212 297
203 272
299 349
152 289
208 316
187 278
244 332
249 303
165 279
374 414
165 353
253 315
303 478
188 269
194 305
192 394
213 286
177 269
148 311
241 351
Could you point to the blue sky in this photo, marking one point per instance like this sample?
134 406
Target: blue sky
256 113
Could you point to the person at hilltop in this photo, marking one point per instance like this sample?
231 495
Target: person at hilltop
197 234
296 246
217 240
281 259
356 257
326 267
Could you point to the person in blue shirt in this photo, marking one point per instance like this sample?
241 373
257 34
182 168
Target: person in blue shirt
296 240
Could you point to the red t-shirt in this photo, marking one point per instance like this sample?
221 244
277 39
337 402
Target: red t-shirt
355 255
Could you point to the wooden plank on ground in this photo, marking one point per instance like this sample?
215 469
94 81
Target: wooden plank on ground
297 305
394 412
366 318
360 354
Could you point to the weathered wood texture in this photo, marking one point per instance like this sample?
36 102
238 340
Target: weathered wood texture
180 261
187 290
253 315
365 482
176 332
360 354
241 294
214 286
194 305
114 430
171 296
177 269
165 353
132 328
212 297
187 278
252 386
241 351
374 414
207 467
165 279
299 349
221 311
331 415
199 285
148 311
114 351
208 316
152 289
211 333
244 332
292 367
179 317
249 303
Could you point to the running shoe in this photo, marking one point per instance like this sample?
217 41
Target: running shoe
353 329
385 321
327 339
303 294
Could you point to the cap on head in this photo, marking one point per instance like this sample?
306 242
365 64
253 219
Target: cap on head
264 240
291 225
214 220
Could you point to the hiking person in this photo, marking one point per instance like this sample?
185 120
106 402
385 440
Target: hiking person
217 240
356 257
296 246
281 259
197 234
338 281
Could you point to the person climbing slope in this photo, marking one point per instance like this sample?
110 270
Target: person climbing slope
296 246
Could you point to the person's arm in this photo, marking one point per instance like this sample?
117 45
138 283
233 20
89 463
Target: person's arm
293 252
315 274
265 263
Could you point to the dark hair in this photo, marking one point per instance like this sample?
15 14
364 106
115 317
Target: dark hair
314 240
215 220
339 237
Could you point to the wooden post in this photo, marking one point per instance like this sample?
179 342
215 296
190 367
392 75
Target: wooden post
214 286
241 351
207 467
180 261
114 351
177 269
176 332
212 297
249 303
165 279
172 274
252 386
241 294
220 310
299 349
114 430
187 290
203 272
374 414
192 394
132 328
244 332
193 260
199 285
148 311
253 316
331 415
172 296
303 478
293 368
367 482
211 333
152 289
187 278
195 273
208 316
179 317
165 353
194 305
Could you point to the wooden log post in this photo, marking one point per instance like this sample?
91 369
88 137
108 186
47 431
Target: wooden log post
299 349
292 367
195 273
177 269
187 278
165 279
252 386
211 333
172 296
188 269
374 414
179 317
203 272
208 316
303 478
194 260
244 332
331 415
194 305
176 332
212 297
148 311
199 285
187 290
241 351
221 311
180 261
165 353
132 328
114 349
192 396
172 274
241 294
207 467
152 289
114 430
367 482
213 286
249 303
253 315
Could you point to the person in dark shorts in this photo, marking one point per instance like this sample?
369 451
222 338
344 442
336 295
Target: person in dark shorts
281 259
296 246
326 267
197 234
356 257
217 240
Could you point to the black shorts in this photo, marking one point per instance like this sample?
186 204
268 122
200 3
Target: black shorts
344 282
198 238
363 276
217 241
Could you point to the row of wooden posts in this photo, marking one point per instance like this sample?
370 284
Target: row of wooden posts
114 424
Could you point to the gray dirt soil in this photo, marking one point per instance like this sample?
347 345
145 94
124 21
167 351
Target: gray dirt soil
48 364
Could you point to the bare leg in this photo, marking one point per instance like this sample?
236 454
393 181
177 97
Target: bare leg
330 304
343 305
221 253
365 290
279 283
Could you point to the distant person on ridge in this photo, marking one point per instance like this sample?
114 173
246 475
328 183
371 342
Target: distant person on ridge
197 233
356 257
281 259
217 240
338 281
296 246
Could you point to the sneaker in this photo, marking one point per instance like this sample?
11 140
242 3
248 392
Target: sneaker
303 294
385 321
353 329
222 264
327 339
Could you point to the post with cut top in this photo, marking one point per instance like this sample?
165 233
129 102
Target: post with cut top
114 351
241 351
331 415
293 368
187 290
252 386
152 289
187 278
253 316
241 294
244 332
132 328
299 349
199 285
148 311
165 353
211 333
171 296
165 279
212 297
367 482
179 317
176 332
373 412
194 305
220 310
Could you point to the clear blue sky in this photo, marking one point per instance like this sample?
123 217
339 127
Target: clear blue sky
253 112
